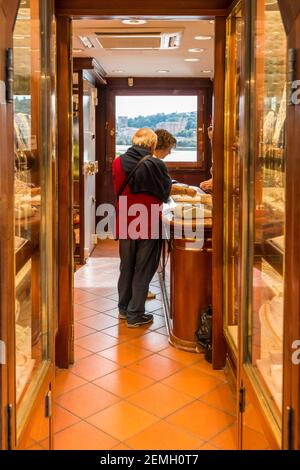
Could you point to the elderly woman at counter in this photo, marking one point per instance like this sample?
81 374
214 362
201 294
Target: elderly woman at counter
141 176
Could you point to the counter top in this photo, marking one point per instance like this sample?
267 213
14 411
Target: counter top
170 218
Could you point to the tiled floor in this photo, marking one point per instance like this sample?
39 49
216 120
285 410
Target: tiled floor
129 388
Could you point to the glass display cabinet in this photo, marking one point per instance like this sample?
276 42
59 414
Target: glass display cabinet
34 209
232 157
262 369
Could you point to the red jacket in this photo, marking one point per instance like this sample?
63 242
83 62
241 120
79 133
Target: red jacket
137 225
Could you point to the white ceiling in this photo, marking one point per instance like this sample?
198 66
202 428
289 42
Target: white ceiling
146 63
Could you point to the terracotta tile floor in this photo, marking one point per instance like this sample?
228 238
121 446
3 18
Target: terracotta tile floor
129 388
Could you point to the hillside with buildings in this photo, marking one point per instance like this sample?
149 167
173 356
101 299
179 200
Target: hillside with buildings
182 125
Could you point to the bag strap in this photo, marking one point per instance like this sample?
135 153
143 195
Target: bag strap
127 180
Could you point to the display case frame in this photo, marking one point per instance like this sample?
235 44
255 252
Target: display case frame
232 180
23 416
259 416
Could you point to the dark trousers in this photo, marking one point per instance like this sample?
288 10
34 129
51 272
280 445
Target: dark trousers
139 262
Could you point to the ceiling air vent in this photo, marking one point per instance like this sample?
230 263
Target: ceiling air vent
137 39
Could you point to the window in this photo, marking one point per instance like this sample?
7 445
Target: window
180 111
181 115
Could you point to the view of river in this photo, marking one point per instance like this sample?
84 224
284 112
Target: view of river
177 155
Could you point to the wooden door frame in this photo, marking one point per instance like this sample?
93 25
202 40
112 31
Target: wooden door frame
290 11
65 333
65 166
218 344
159 8
66 10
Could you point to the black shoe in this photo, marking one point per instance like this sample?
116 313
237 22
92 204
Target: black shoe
122 315
143 320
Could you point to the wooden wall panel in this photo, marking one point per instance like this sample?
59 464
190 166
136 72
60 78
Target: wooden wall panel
92 8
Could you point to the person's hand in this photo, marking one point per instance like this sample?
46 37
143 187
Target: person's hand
207 185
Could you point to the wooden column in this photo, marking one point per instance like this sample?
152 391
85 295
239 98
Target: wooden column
219 348
64 339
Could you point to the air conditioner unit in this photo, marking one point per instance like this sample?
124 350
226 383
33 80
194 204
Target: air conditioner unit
131 39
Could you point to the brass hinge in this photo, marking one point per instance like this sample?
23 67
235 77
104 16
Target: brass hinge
48 404
289 419
9 75
242 403
9 426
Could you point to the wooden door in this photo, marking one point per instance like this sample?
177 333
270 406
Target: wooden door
89 156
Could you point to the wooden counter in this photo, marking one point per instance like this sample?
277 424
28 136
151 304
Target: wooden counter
186 277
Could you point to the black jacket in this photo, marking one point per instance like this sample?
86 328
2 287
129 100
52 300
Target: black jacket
152 177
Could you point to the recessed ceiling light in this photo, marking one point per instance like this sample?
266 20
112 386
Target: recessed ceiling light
191 60
118 71
206 71
196 49
163 71
77 50
203 38
134 21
